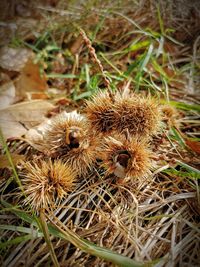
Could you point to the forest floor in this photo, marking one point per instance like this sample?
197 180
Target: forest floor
54 56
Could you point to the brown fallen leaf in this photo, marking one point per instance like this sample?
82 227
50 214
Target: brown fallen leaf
193 145
7 94
30 79
21 61
16 158
17 119
10 126
38 95
35 136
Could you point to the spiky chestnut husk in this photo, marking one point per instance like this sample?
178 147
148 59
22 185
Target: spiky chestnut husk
170 115
140 115
99 111
66 136
83 158
126 157
46 182
64 132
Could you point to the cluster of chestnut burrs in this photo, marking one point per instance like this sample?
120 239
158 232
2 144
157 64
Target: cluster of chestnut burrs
113 134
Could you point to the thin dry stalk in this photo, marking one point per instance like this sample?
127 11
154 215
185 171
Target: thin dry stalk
94 56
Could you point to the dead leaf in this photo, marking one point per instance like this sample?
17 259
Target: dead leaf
35 136
63 101
30 79
9 126
21 60
17 119
16 158
193 145
32 96
7 94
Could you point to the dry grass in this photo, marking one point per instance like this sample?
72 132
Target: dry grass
153 220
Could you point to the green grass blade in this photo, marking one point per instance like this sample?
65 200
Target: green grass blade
139 45
3 142
98 27
15 241
83 95
131 67
158 68
95 250
184 174
19 213
160 20
178 137
45 231
143 63
25 230
189 168
87 74
185 106
111 64
61 76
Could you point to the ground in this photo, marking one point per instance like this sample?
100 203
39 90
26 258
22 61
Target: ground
55 56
